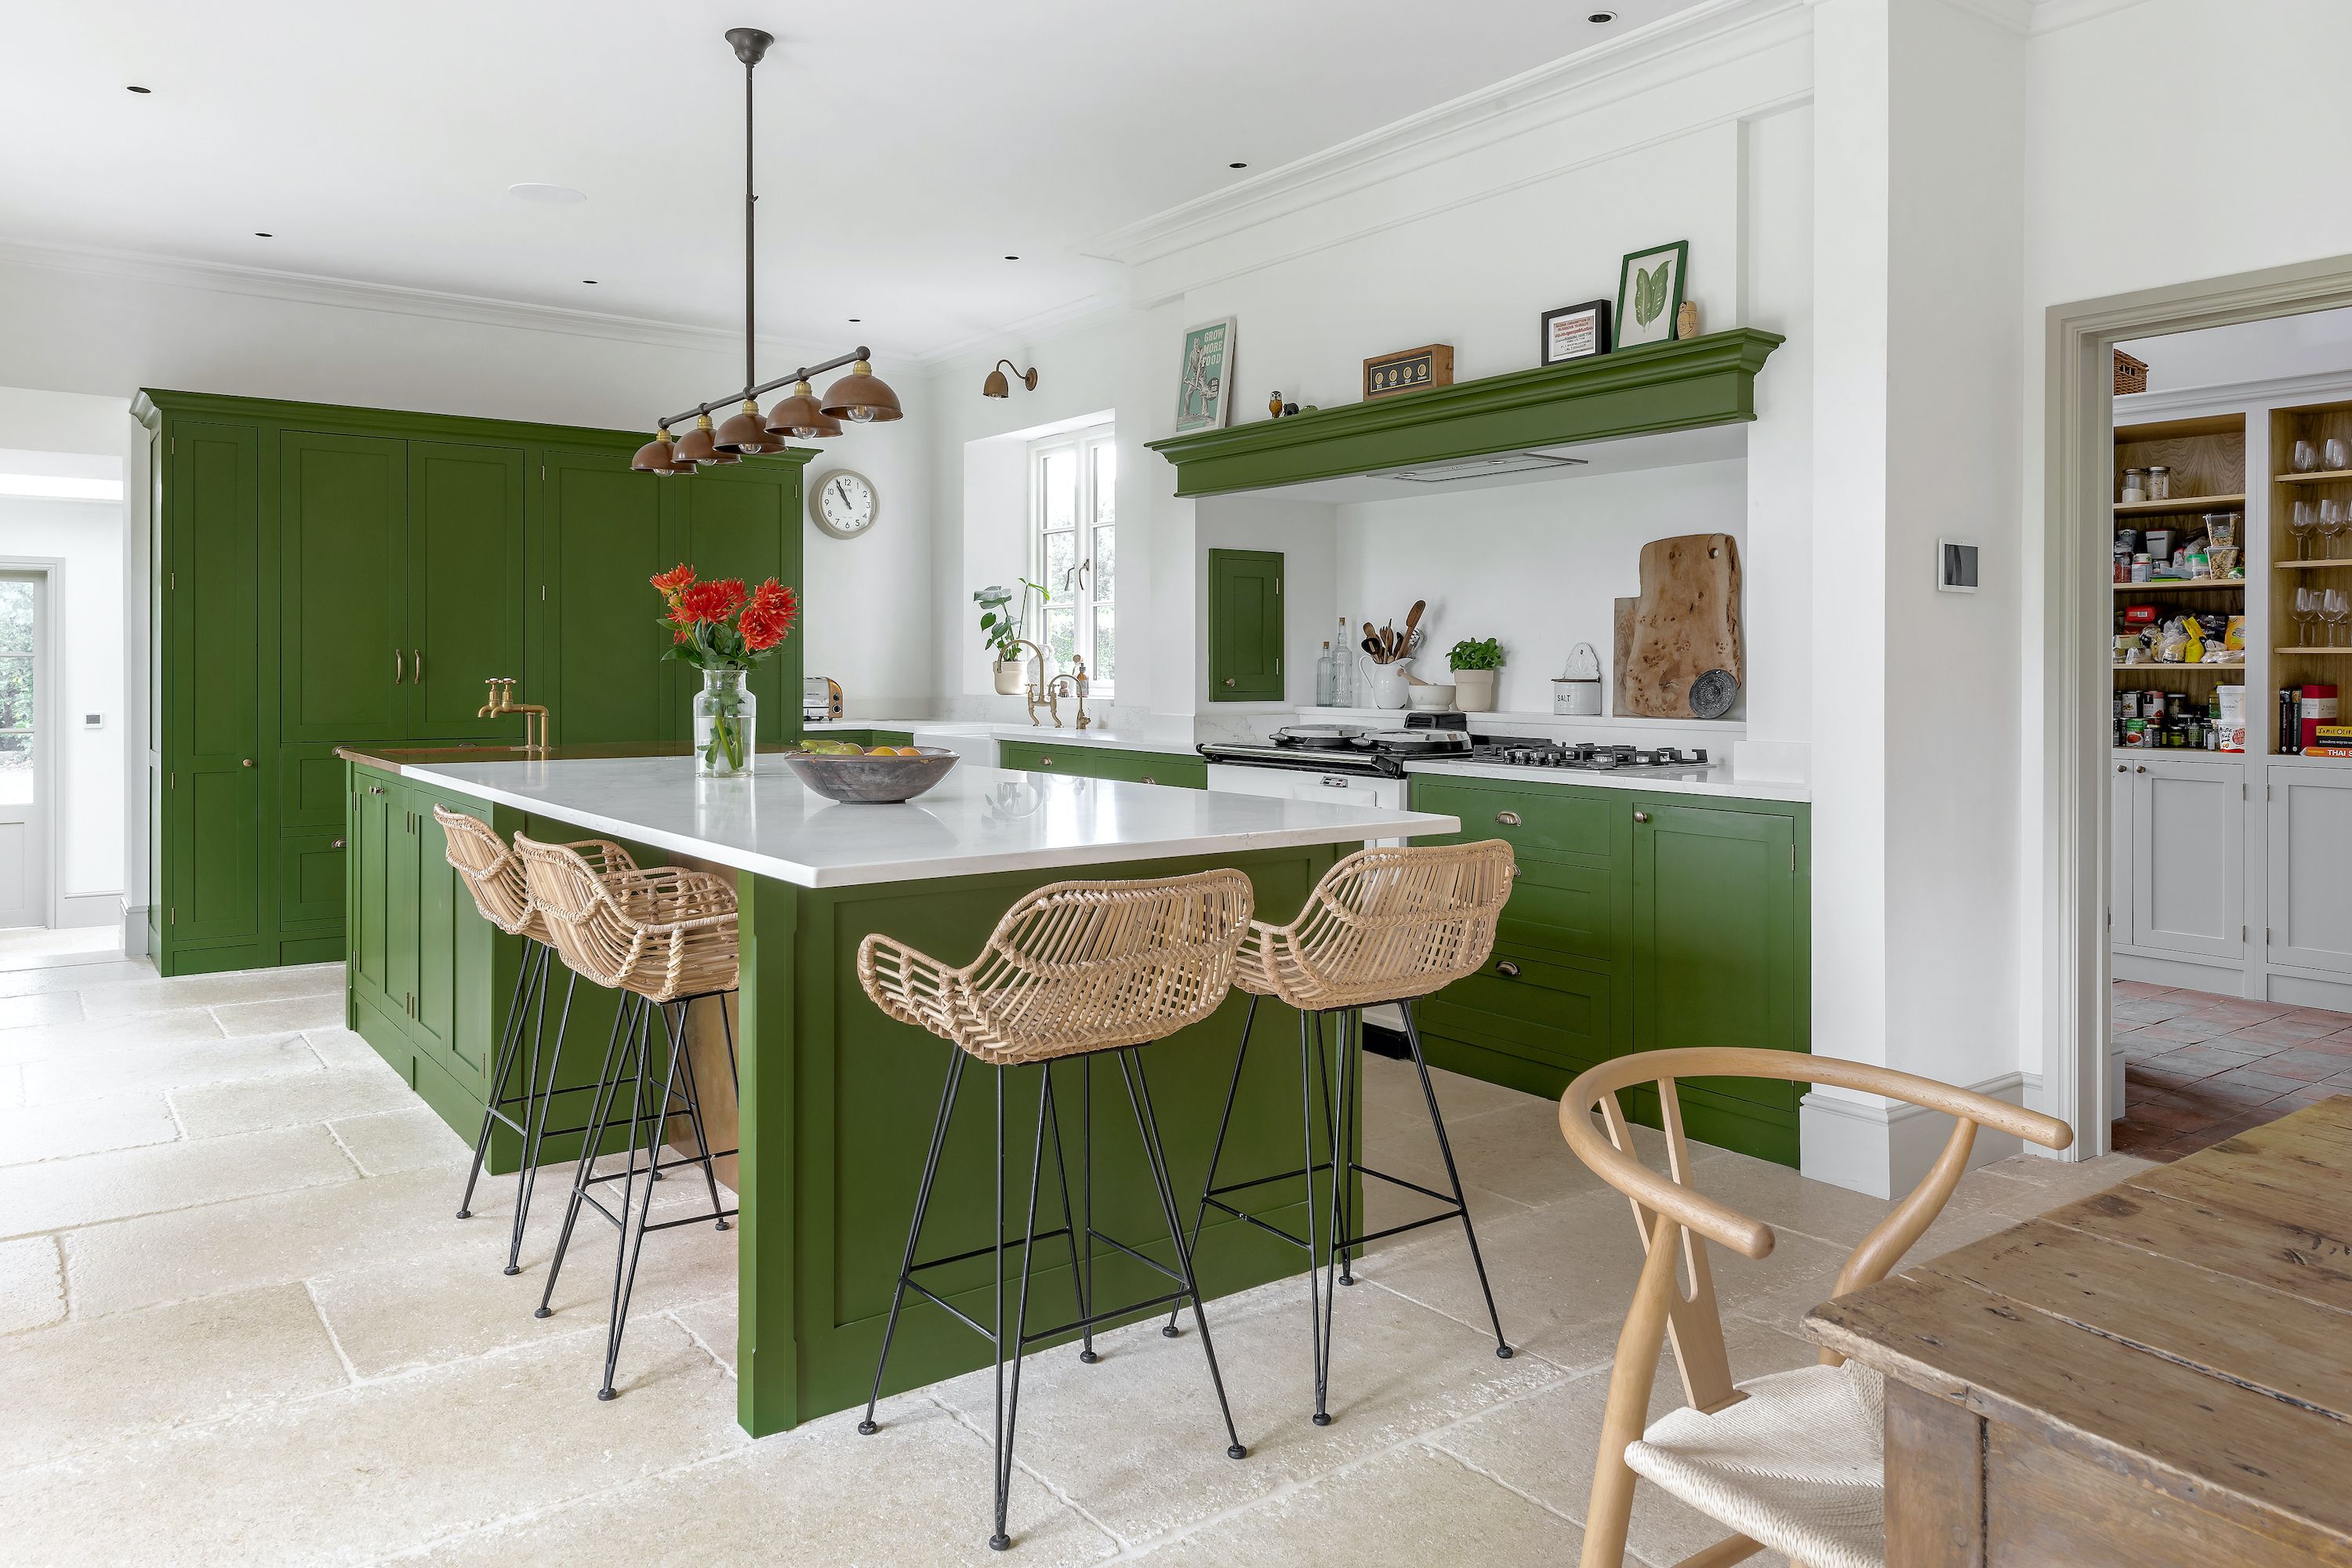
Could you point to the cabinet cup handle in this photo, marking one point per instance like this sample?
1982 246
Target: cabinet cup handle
1148 779
1507 818
1045 762
375 789
334 844
1507 970
416 666
395 667
1641 816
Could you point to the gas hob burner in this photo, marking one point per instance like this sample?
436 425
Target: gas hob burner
1587 757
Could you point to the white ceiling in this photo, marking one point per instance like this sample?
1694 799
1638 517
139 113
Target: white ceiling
905 148
2317 343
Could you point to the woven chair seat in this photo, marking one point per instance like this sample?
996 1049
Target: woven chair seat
1799 1465
1383 925
662 932
493 872
1074 967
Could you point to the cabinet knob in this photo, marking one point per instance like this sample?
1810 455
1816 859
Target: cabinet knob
1229 680
2142 768
246 763
1507 970
1148 779
1507 818
2123 767
1641 816
334 844
1045 762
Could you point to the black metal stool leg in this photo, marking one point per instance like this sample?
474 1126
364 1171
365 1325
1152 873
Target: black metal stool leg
1062 1173
1348 1024
915 1232
694 1112
624 1282
1139 1093
1454 1179
1010 1403
591 1136
1320 1345
535 1130
1217 1149
1086 1208
510 1042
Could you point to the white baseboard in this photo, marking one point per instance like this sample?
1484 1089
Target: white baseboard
2308 991
2218 977
1883 1147
134 929
77 909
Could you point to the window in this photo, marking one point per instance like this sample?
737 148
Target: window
1074 512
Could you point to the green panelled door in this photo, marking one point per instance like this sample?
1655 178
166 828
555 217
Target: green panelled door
373 821
214 777
343 539
741 525
597 649
465 578
1245 626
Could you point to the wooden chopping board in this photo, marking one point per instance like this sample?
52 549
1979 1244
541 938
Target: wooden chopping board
1684 623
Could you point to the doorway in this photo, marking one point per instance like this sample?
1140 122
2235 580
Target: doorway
26 808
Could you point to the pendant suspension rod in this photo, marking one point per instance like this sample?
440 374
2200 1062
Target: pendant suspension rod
765 387
751 201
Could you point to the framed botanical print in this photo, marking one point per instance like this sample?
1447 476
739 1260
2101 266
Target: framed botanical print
1650 293
1204 385
1575 332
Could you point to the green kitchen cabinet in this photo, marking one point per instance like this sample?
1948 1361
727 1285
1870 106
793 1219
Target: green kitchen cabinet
1246 626
1173 769
1637 922
331 575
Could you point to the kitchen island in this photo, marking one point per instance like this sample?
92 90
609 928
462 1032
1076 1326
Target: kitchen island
835 1101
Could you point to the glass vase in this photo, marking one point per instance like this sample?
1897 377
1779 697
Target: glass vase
726 718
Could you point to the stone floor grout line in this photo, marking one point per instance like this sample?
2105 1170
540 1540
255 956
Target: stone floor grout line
1481 1329
365 1174
1519 1492
1120 1543
351 1369
721 1363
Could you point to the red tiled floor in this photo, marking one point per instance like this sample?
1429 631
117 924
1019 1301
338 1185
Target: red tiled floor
2198 1069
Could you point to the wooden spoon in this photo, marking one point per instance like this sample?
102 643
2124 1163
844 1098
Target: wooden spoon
1413 617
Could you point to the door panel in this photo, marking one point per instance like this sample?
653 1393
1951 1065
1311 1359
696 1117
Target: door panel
344 508
598 666
311 869
1245 626
28 738
213 776
2310 848
465 584
374 819
2188 857
741 524
434 1019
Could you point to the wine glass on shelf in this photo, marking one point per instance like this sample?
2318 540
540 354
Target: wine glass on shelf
2306 611
2333 608
2301 518
2307 457
2331 523
2332 455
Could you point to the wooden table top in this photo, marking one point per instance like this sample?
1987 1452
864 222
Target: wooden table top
2189 1328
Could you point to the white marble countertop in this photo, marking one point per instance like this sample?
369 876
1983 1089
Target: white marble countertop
978 819
1716 779
996 729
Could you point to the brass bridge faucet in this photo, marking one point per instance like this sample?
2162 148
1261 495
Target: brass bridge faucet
502 702
1069 684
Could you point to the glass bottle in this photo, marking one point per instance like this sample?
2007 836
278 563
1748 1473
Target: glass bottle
1343 669
1327 690
726 725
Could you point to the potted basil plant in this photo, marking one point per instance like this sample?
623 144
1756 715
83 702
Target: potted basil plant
1474 662
1001 619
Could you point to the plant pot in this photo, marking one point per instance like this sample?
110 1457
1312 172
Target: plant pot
1010 681
1473 691
726 725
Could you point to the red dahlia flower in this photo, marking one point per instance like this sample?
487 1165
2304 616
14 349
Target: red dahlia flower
669 584
716 601
768 618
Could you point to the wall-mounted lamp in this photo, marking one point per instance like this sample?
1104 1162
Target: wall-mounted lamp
997 386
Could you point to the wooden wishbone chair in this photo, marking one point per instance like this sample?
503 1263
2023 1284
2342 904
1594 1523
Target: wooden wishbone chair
1794 1462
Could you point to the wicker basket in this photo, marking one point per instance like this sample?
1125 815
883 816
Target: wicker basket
2131 375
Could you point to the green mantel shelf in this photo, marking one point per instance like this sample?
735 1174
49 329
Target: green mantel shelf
1633 392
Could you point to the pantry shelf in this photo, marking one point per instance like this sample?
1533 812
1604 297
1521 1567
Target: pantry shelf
2318 652
2322 477
2311 565
2197 668
2178 503
2190 584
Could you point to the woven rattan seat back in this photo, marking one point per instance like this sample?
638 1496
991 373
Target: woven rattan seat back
1384 925
663 933
490 870
1074 967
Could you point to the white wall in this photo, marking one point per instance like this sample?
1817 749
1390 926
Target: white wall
86 647
1538 565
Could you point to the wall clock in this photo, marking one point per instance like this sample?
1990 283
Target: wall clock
843 503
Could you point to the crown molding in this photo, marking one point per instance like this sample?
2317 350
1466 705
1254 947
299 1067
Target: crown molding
984 345
2010 16
1646 57
308 289
2050 16
2232 397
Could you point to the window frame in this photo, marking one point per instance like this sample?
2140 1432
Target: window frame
1078 587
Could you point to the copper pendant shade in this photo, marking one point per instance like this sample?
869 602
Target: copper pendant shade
699 447
862 397
799 415
659 456
746 433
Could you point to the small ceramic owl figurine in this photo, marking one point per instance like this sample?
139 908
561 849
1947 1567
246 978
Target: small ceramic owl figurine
1687 320
1273 405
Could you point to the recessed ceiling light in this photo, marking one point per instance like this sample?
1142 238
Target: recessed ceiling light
1012 259
590 281
141 91
1237 165
263 234
855 320
1600 17
559 195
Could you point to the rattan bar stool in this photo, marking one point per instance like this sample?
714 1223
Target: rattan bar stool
494 876
1383 925
666 939
1072 970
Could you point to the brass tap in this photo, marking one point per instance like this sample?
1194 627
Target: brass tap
1040 691
1076 687
502 702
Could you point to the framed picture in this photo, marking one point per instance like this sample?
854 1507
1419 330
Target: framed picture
1408 370
1204 386
1649 293
1575 332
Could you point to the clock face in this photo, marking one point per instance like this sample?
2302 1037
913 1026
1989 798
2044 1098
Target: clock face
843 503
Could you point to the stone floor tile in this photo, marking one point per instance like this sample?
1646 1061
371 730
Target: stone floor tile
407 1140
1545 1445
85 1127
714 1323
12 1086
1411 1505
323 1011
2310 1067
1397 1369
75 978
381 1468
2051 1183
90 1188
2152 1010
2139 990
157 1068
156 996
1393 1092
49 1043
1787 1201
166 1366
341 1047
924 1497
32 1284
2253 1081
252 1104
40 1007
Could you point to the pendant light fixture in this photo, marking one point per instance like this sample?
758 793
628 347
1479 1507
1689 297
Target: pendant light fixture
860 396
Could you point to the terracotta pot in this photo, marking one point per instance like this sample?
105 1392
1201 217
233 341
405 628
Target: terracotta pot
1473 691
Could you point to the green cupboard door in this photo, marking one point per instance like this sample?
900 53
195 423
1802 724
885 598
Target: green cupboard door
375 827
1245 626
746 522
465 586
342 586
433 1017
214 777
1715 936
596 659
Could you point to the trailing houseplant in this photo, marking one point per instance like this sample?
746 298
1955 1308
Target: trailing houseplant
1474 662
724 630
1001 617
